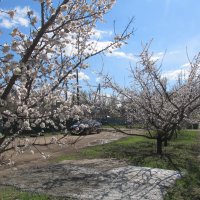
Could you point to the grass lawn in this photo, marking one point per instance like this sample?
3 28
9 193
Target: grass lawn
10 193
181 154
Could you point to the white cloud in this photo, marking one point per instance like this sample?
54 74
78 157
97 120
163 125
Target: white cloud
130 56
6 23
161 55
83 76
121 54
99 34
98 79
173 74
157 56
95 45
20 18
186 65
92 46
98 45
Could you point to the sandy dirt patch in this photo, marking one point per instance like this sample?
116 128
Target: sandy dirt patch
27 159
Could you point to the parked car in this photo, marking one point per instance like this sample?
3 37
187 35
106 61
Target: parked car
86 127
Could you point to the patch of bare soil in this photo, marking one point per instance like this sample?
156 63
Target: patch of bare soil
72 144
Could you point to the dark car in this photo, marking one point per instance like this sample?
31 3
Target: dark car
86 127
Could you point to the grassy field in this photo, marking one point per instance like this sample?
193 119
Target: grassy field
181 154
10 193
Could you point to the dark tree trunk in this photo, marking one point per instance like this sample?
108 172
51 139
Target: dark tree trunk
77 88
159 146
2 140
176 135
165 143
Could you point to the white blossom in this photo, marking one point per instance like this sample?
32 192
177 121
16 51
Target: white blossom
36 65
42 125
17 71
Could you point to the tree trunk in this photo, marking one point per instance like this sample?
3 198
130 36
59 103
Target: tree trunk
165 143
2 140
176 135
159 146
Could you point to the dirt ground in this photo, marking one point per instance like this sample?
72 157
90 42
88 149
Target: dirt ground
100 179
72 144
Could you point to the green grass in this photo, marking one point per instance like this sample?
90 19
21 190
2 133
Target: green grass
111 150
140 151
113 125
11 193
181 154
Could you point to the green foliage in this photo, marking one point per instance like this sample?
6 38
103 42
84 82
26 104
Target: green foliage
187 159
10 193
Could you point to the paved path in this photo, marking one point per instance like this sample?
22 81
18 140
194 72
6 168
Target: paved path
99 179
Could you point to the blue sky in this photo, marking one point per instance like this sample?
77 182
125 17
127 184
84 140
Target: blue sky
174 25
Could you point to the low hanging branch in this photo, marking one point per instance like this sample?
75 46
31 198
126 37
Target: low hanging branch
33 77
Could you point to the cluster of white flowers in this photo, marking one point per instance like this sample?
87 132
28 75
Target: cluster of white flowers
35 68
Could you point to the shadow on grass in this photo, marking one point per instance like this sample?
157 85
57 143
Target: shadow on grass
179 155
